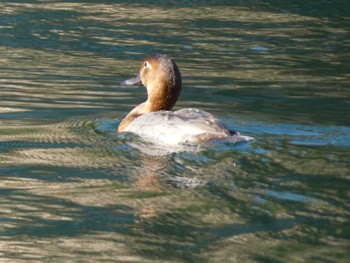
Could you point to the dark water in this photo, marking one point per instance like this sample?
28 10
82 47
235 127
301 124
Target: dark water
72 190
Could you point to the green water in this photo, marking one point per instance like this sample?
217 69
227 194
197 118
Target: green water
74 191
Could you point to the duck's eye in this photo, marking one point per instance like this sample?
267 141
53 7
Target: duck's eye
146 64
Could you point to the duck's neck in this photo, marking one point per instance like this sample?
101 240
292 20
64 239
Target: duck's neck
159 98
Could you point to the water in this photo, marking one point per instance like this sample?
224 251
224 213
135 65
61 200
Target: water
73 190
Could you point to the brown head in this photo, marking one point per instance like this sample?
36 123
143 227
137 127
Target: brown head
162 79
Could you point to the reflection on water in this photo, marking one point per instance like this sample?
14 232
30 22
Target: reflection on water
71 188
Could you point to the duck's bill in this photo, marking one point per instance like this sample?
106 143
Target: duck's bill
132 81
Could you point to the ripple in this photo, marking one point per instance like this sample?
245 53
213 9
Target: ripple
312 135
292 197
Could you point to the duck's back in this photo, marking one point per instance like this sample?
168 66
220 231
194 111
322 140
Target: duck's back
182 126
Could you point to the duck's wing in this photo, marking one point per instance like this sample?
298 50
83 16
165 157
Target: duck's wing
203 120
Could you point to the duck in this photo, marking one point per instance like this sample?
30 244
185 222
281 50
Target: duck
154 118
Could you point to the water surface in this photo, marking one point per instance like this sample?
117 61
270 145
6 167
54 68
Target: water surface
73 190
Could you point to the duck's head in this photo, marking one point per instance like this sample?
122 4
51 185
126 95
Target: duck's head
162 79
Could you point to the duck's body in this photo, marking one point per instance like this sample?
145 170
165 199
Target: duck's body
153 118
178 127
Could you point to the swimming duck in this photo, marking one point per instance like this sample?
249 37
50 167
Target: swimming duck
153 119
